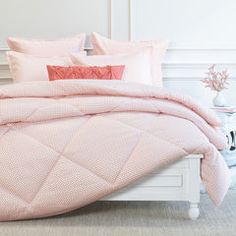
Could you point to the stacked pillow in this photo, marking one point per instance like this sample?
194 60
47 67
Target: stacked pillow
25 68
103 45
33 60
157 49
137 65
48 48
28 59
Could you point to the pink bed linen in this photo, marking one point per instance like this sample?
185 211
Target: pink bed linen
65 144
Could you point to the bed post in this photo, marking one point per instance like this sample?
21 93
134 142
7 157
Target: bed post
193 211
194 187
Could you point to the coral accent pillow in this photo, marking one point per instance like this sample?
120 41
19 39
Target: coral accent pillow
26 68
105 46
84 72
137 65
48 48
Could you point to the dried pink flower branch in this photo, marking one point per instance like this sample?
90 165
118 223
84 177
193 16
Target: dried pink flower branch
216 80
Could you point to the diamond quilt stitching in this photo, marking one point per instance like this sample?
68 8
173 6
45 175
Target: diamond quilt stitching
136 145
144 131
108 90
60 154
59 157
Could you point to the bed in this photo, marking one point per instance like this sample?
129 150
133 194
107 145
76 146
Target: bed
177 182
75 129
75 142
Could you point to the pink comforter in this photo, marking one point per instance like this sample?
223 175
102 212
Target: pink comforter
65 144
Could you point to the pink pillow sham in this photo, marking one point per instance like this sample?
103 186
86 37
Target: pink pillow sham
105 46
84 72
25 68
48 48
102 45
137 65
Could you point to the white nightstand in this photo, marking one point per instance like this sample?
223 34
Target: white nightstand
228 117
229 128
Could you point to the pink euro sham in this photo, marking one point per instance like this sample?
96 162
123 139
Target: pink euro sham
137 65
48 48
25 68
105 46
85 72
102 45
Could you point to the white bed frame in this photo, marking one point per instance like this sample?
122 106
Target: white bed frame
178 182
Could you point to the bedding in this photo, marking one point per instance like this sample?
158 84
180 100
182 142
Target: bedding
67 143
48 48
85 72
137 65
25 68
105 46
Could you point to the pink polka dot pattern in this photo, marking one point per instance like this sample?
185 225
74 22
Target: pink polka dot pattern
65 144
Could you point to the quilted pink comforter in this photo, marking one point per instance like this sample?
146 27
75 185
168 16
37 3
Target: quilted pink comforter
65 144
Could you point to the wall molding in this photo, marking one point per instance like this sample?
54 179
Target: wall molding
131 20
189 65
111 18
178 47
219 47
171 71
3 49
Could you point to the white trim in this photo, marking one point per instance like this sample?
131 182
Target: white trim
219 47
4 49
178 65
177 182
196 65
131 20
110 20
3 65
202 47
175 71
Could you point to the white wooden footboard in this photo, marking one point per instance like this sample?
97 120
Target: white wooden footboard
178 182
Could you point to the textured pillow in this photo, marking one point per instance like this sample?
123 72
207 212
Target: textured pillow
105 46
30 68
137 65
85 72
48 48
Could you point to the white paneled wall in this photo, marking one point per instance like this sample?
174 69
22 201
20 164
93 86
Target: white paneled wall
201 32
52 18
186 22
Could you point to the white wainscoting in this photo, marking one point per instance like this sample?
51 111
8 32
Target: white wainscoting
185 62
